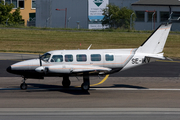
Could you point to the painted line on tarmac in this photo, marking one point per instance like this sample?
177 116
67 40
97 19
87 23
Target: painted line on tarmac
34 112
128 89
102 89
102 81
105 78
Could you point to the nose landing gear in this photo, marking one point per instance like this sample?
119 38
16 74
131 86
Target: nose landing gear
23 85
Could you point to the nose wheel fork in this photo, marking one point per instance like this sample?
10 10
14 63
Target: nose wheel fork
23 85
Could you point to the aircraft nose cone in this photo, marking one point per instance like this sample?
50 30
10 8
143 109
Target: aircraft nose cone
9 69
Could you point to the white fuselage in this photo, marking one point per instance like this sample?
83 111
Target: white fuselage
111 58
64 61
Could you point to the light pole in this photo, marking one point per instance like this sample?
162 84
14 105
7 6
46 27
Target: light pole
152 20
154 12
170 17
78 24
65 14
131 21
68 21
7 21
47 22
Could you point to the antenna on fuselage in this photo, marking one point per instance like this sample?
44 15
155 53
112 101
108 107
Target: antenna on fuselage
89 47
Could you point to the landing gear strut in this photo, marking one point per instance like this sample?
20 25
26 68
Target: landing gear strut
23 85
66 82
86 84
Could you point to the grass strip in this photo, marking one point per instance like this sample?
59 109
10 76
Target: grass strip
40 41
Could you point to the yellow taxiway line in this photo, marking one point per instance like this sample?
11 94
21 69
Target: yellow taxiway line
105 78
102 81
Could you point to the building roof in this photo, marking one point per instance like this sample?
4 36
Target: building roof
157 3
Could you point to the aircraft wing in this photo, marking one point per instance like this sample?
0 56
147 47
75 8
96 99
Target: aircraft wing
71 69
91 69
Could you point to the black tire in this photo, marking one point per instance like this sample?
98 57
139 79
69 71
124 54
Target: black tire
85 87
23 86
66 83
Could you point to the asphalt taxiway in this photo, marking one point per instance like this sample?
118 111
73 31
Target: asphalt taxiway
150 91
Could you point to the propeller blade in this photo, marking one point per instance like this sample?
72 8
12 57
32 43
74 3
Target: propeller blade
40 60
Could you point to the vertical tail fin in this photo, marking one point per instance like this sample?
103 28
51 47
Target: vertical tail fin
151 48
156 41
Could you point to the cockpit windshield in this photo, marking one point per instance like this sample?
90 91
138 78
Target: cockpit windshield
45 57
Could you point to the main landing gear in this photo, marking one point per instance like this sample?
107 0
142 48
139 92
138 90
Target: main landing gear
23 85
85 85
66 82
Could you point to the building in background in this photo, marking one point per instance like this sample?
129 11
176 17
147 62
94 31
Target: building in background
62 13
151 13
28 8
75 13
78 12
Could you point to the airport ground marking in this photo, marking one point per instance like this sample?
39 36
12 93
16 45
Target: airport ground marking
135 89
101 89
105 78
102 81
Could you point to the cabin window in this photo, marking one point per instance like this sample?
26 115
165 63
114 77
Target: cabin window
95 57
45 57
81 57
109 57
57 58
68 58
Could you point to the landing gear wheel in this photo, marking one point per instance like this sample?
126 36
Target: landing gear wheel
23 86
66 83
85 87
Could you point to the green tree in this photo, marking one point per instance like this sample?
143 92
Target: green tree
117 17
17 18
5 14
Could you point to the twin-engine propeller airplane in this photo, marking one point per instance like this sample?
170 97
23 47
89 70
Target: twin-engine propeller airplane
65 63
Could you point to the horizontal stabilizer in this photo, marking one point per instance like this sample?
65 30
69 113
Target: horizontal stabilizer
156 56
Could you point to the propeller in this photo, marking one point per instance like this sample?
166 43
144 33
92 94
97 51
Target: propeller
40 60
41 69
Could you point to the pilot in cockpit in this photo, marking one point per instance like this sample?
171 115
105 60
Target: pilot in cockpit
56 58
